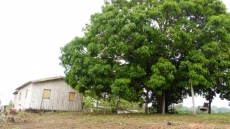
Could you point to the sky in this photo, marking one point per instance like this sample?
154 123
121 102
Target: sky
31 34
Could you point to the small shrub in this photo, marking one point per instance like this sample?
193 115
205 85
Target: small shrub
180 109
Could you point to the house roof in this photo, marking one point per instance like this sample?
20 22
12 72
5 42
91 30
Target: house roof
39 80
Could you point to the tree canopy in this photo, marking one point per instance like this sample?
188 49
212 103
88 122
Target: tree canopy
152 51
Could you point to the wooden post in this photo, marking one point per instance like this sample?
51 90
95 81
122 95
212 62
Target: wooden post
193 100
163 102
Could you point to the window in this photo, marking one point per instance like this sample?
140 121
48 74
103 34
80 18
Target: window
71 96
19 96
46 94
26 93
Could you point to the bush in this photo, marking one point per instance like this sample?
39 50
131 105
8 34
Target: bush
107 106
180 109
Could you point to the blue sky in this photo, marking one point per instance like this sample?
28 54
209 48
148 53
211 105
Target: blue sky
31 34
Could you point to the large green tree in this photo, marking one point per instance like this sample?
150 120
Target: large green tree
151 51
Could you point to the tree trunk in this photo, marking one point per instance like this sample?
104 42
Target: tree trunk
163 102
146 101
209 106
210 97
166 101
117 103
97 105
159 103
193 100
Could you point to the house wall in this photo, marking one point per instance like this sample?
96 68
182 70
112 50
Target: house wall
24 100
59 96
15 99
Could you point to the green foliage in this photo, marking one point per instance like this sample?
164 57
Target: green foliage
180 109
88 102
163 74
134 47
107 105
129 105
121 88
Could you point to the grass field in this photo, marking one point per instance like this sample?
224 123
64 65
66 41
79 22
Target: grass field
77 120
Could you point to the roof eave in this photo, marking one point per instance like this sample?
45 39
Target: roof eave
40 80
20 87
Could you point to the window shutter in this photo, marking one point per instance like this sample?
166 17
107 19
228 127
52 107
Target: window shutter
71 96
46 94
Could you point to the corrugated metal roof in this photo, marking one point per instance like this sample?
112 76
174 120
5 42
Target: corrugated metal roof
39 80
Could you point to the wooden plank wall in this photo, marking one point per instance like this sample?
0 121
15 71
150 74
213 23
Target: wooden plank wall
24 100
59 96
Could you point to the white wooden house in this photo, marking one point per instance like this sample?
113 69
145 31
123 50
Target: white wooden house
47 94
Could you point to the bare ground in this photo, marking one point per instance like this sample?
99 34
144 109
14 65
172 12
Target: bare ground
77 120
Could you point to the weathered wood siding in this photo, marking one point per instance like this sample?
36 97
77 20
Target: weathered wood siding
59 96
25 95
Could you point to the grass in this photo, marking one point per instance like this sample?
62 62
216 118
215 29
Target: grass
78 120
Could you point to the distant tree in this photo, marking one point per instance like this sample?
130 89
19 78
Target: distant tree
11 103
